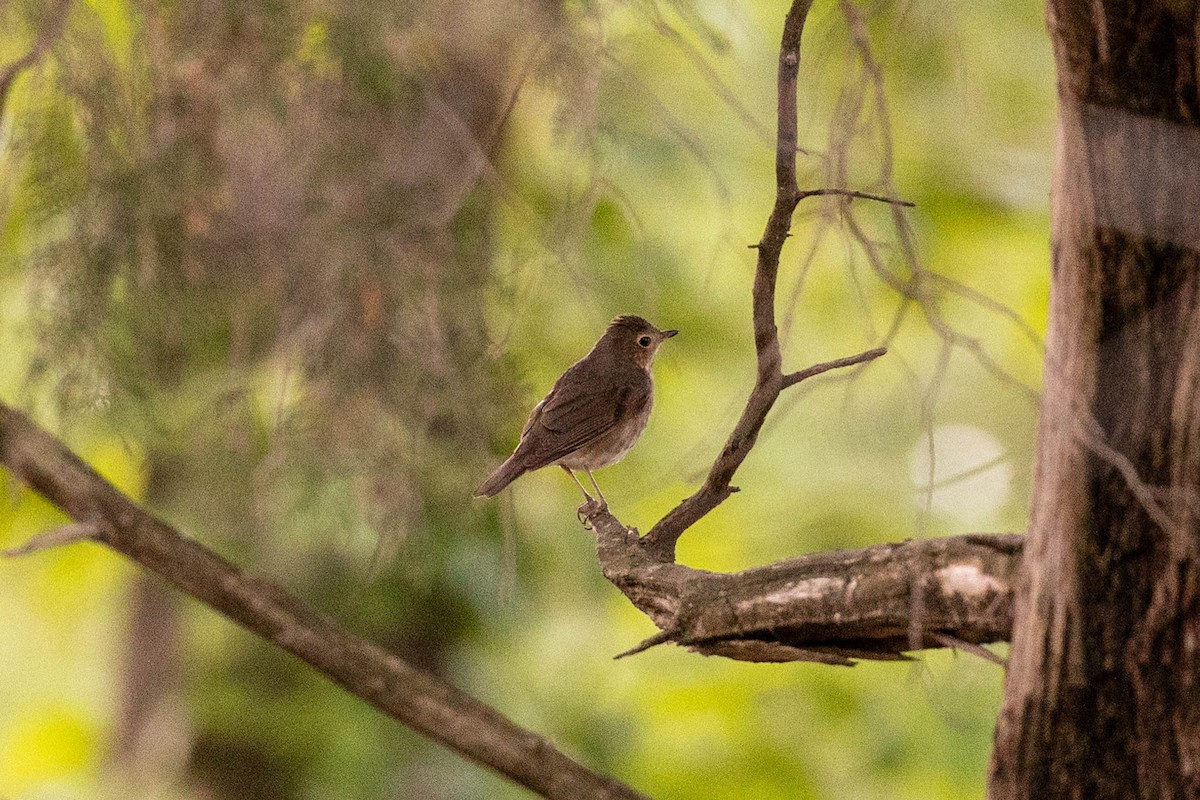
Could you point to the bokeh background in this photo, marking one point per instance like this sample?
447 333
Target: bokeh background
291 274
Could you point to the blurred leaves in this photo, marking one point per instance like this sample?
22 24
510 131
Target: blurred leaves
294 273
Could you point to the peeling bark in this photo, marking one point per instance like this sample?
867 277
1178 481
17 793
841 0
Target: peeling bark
874 603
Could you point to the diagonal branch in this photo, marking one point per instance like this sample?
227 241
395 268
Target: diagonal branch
414 697
48 33
59 537
769 379
838 363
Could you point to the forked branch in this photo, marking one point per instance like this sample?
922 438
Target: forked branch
830 608
770 379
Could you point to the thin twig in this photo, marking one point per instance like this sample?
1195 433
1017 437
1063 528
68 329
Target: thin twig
995 306
662 637
70 533
946 640
917 286
855 193
719 87
916 607
838 363
1089 433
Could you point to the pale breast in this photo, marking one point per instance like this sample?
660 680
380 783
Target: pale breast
612 446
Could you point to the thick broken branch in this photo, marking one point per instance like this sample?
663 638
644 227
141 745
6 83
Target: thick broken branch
875 603
419 699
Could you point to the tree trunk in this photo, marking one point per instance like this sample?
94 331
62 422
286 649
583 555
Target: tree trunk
1102 699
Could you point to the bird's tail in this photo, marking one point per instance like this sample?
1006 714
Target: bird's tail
505 474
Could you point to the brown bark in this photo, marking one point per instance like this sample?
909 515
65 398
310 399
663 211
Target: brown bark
875 603
769 379
415 697
828 607
1102 699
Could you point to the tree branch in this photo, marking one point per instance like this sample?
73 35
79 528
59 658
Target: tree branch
831 608
59 537
418 699
875 603
838 363
769 380
854 193
48 33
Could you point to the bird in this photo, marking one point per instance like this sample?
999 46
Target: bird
594 413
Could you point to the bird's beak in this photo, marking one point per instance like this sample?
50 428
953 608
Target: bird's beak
668 334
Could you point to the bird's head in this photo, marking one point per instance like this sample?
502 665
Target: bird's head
636 339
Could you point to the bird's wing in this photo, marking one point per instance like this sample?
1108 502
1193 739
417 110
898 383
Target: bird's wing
576 412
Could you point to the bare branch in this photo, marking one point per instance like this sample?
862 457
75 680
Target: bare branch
720 88
854 193
52 26
1090 434
414 697
662 637
70 533
918 286
769 378
996 307
947 640
838 363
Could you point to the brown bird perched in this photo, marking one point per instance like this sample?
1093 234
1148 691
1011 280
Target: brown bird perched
594 413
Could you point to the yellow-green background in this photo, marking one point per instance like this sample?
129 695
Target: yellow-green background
645 209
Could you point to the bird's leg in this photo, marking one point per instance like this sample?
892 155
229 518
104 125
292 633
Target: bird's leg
587 497
581 512
600 494
604 503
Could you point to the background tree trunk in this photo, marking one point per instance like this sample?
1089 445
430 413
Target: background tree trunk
1102 698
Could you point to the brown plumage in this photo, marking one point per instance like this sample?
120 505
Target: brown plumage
594 413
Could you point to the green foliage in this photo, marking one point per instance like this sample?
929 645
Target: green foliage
292 274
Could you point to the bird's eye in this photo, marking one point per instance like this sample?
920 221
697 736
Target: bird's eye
644 341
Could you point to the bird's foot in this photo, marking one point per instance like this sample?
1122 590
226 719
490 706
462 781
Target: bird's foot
588 510
581 514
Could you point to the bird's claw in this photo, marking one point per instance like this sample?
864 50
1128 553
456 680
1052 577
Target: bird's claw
581 514
588 510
